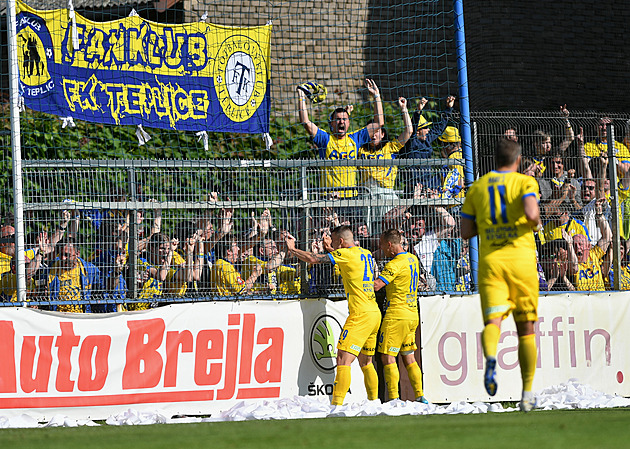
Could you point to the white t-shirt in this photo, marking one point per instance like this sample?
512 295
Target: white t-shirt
594 233
426 248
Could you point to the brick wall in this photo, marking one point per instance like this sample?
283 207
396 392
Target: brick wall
520 55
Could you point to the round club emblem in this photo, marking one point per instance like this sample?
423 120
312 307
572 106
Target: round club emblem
240 77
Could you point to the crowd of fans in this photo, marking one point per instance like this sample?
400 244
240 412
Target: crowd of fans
83 264
575 246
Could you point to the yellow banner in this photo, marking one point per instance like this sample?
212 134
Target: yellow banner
194 76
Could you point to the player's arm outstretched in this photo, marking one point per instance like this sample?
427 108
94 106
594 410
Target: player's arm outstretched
305 256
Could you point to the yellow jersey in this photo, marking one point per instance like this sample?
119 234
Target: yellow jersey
5 263
151 288
8 287
346 147
247 268
589 275
573 227
624 210
453 182
224 279
384 176
69 287
401 278
287 280
171 285
495 203
596 148
356 266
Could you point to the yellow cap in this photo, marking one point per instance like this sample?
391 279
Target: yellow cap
423 123
450 135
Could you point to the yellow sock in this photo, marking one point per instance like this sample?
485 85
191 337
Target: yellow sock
490 339
370 378
392 376
527 355
341 385
415 377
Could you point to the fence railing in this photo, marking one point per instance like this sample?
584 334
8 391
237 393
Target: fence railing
115 221
224 220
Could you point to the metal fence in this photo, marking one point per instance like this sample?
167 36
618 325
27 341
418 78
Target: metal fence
225 220
581 162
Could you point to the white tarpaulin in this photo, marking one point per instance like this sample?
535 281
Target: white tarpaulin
570 395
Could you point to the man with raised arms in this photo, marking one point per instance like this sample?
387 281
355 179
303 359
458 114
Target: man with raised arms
501 208
358 337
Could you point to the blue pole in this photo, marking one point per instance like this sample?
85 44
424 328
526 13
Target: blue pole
464 108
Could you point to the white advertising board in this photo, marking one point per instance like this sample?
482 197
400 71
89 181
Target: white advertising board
184 359
579 336
202 358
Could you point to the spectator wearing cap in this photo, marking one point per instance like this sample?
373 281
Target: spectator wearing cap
599 146
420 144
453 180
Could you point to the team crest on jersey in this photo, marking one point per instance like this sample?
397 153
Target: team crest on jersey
35 50
324 334
240 77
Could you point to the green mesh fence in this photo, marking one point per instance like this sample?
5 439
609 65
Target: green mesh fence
95 181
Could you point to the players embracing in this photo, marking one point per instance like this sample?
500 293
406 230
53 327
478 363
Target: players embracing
400 278
358 336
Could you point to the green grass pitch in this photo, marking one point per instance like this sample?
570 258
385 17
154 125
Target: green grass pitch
594 428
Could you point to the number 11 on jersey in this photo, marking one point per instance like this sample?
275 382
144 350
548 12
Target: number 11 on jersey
493 203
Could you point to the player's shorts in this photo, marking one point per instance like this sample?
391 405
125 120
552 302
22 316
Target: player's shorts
359 333
397 335
509 285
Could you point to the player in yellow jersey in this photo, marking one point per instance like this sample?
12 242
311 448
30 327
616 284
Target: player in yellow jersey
501 208
358 337
398 329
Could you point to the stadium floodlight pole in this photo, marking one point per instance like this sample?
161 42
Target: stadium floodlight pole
16 151
464 109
